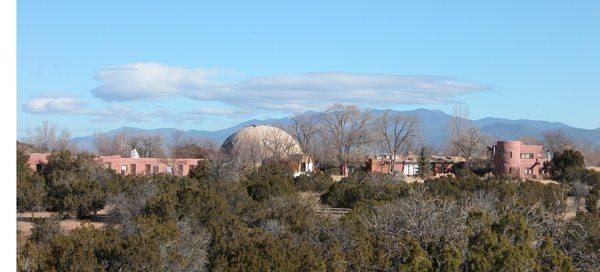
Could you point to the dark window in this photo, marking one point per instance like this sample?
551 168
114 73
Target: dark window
155 169
39 167
133 170
511 154
510 169
303 167
148 169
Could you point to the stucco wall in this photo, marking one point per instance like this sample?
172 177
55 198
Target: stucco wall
507 159
116 162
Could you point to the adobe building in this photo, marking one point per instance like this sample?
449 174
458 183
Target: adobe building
409 165
301 164
130 166
514 158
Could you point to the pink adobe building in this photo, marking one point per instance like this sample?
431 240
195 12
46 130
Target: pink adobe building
409 165
130 166
514 158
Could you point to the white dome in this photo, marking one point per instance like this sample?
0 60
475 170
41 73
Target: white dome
261 142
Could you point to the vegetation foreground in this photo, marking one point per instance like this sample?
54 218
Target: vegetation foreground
212 220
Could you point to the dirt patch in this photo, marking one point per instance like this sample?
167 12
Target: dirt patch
337 178
25 220
66 225
411 179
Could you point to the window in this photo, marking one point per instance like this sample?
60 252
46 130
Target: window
107 165
133 170
180 169
526 155
169 170
155 169
148 169
303 167
123 169
511 154
510 169
39 167
528 171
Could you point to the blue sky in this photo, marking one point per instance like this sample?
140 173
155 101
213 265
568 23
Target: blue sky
100 65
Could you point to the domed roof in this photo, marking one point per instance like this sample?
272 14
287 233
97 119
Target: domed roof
261 142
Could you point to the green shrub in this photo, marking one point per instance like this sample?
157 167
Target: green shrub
360 187
31 187
77 185
269 180
561 162
317 182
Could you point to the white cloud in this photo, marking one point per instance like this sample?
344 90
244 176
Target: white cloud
72 106
154 80
219 112
312 91
318 90
54 105
284 93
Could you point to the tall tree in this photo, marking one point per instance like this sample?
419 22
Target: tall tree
347 127
43 138
304 128
147 145
424 164
556 141
394 131
46 138
563 161
466 140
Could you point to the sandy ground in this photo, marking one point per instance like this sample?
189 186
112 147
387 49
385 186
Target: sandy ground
65 225
25 224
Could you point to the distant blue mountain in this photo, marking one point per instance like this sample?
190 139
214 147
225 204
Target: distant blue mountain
434 127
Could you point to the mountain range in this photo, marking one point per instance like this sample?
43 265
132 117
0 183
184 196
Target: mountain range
434 127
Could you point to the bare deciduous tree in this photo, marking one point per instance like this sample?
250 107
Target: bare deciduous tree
277 144
304 128
182 146
466 140
190 246
395 130
590 152
530 140
177 141
556 140
45 138
102 143
115 145
147 145
347 127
